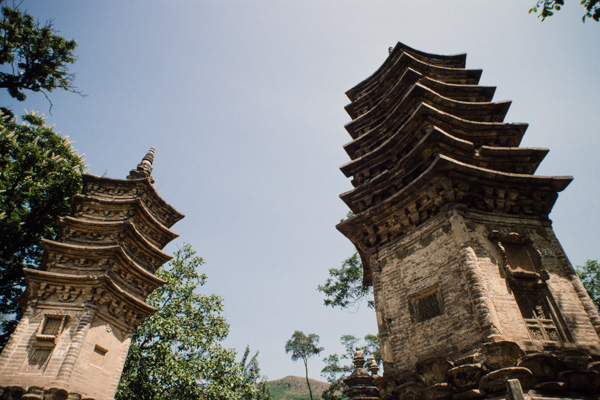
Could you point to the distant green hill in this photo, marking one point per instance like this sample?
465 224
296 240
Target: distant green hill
294 388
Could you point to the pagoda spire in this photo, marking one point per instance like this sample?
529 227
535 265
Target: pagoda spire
144 168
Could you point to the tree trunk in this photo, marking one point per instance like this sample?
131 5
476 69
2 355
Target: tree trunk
307 382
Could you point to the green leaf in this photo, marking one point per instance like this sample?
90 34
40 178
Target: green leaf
177 352
36 192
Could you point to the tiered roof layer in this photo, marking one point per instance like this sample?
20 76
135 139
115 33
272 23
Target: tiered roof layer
109 248
426 136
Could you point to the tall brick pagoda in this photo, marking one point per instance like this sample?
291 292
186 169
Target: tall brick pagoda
88 297
472 288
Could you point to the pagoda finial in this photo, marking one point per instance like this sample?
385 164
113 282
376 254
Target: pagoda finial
144 168
359 359
149 157
361 385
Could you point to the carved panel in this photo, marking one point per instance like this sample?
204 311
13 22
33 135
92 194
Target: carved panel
115 307
56 259
70 233
64 292
539 315
98 212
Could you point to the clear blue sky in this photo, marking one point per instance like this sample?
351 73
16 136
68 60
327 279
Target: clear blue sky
243 101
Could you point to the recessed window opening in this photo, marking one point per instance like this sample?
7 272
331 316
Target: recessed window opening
538 314
98 356
426 304
51 327
37 359
428 307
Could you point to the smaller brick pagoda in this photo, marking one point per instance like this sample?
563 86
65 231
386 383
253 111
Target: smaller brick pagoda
87 298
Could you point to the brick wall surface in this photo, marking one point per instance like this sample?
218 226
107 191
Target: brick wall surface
454 252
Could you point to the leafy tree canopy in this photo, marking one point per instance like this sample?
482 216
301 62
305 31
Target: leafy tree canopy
344 286
589 273
337 367
176 353
251 374
302 348
33 57
39 172
547 8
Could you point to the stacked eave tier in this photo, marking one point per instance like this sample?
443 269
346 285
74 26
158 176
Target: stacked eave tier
372 129
426 135
116 231
448 182
100 260
113 189
123 233
456 83
367 87
407 164
398 141
74 291
98 209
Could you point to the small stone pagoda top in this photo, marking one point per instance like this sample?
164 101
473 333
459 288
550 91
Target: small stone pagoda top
426 136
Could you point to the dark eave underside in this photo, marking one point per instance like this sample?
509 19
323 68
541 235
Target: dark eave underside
434 143
368 132
394 78
425 117
132 188
453 61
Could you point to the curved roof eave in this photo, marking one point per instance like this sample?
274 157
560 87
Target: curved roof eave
422 112
96 281
400 48
434 142
379 91
113 250
172 215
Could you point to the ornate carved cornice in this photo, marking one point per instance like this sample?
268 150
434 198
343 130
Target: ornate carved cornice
109 188
108 233
52 287
100 260
445 183
419 158
92 209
